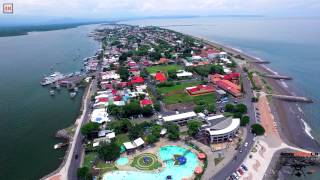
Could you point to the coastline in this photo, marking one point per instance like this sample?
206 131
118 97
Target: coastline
294 129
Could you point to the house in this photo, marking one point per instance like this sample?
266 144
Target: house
160 77
179 118
137 80
145 102
225 84
138 142
200 90
163 61
99 116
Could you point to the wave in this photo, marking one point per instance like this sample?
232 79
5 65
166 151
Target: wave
284 84
307 129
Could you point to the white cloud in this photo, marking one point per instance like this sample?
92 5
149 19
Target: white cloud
128 8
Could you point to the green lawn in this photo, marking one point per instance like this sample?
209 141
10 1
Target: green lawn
163 68
179 87
121 138
138 162
89 159
177 94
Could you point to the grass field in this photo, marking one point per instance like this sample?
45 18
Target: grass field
163 68
177 94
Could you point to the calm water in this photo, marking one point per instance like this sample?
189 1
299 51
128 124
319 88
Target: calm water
291 44
29 116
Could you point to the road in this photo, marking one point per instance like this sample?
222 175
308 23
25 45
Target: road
233 165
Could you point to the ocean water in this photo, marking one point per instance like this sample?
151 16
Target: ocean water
290 44
29 116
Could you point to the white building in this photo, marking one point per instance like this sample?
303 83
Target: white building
183 74
99 116
180 118
223 131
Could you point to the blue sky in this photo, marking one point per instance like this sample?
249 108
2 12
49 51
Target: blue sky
137 8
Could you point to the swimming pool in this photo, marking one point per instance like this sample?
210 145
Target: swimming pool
122 161
166 155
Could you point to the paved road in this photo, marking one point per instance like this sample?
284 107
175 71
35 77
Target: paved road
78 149
232 166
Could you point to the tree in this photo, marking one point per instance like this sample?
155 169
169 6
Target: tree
241 108
172 74
173 131
135 132
157 106
147 111
151 139
193 127
257 129
244 120
132 109
84 173
109 152
124 73
229 108
89 128
155 130
115 110
120 126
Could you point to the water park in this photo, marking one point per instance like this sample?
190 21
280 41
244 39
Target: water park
160 162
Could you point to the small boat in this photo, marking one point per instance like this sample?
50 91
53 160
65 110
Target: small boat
52 92
52 78
73 94
76 89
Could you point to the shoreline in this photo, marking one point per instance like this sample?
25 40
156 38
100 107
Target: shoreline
294 129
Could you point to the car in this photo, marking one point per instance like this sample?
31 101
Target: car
236 102
240 171
246 144
235 175
240 150
239 175
244 167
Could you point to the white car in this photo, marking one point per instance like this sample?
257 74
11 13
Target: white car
246 144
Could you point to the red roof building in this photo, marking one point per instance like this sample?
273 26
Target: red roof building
225 83
145 102
117 98
132 64
163 61
137 80
160 76
232 76
103 100
200 90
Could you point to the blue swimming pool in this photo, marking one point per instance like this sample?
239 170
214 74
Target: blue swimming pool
166 154
122 161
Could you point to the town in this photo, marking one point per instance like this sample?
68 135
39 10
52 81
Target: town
161 101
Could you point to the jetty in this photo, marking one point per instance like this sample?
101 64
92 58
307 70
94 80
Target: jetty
292 98
259 62
274 76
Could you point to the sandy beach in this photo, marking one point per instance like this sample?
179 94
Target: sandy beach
287 114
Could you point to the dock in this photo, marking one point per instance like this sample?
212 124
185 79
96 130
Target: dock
292 98
260 62
273 76
60 145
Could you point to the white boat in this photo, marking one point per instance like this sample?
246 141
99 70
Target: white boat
52 78
73 94
52 92
76 89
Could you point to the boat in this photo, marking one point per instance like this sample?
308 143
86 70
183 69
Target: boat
73 94
52 92
52 78
76 89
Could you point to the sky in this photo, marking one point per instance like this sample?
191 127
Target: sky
117 9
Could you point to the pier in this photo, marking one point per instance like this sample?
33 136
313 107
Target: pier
273 76
260 62
292 98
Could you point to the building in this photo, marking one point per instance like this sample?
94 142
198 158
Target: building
180 118
184 74
222 82
200 90
160 77
145 102
221 129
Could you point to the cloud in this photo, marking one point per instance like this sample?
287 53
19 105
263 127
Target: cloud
129 8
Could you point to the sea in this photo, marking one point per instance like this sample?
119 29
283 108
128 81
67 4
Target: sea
29 116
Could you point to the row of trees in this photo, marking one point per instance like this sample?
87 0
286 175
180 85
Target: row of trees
205 70
131 109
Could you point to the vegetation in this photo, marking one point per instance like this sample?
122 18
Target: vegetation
205 70
236 110
121 138
244 120
257 129
109 152
84 173
193 127
89 159
120 126
89 128
140 163
163 68
173 131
